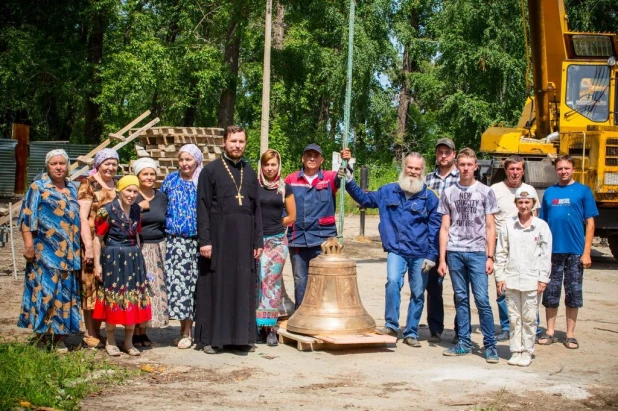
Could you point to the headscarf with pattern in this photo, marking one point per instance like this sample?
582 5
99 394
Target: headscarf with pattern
101 156
277 182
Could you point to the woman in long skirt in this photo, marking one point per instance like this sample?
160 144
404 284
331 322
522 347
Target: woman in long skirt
49 222
182 251
123 297
275 198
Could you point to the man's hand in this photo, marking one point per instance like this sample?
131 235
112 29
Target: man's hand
500 287
257 252
206 251
586 261
427 265
346 172
442 269
541 287
489 266
346 154
29 253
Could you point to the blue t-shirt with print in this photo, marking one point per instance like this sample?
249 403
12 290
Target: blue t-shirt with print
566 209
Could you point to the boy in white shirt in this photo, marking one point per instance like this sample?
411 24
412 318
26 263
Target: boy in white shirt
522 268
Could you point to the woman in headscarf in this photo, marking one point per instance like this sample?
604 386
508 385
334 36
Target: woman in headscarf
152 237
275 198
94 192
182 250
49 222
123 297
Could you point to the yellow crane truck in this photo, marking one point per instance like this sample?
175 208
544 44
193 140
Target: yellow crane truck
573 110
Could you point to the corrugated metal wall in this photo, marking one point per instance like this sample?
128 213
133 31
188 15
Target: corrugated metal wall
7 165
39 149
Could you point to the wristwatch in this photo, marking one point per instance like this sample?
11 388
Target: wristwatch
490 256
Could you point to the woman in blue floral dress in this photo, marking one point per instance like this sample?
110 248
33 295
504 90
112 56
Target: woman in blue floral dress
182 250
49 222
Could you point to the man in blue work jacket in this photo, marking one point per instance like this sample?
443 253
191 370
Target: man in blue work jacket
409 229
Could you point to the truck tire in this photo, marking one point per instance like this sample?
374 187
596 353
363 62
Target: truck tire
613 245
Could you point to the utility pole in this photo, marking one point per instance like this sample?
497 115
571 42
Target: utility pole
266 80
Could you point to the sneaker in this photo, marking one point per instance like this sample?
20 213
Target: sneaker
455 339
525 359
272 340
388 331
457 350
412 342
208 349
435 338
503 335
514 360
491 355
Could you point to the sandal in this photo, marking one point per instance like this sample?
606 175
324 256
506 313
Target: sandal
137 340
145 341
568 341
93 342
185 342
177 340
549 339
133 352
112 350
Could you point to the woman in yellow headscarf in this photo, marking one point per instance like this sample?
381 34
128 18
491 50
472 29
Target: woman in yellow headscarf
119 264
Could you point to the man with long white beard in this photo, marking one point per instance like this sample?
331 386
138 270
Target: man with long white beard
409 229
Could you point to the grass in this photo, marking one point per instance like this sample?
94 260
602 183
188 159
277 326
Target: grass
32 377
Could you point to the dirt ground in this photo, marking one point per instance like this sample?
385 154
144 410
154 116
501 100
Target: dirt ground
381 378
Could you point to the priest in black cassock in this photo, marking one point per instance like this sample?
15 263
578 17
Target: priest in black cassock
229 226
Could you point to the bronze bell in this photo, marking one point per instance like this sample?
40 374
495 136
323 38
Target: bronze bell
286 306
331 304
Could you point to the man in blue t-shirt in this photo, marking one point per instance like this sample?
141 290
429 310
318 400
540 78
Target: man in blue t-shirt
569 209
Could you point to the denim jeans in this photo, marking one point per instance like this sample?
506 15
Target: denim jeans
435 302
503 312
469 267
300 257
396 267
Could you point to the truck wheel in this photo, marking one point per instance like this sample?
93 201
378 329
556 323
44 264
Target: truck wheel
613 245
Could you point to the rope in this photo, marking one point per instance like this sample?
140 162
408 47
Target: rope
346 116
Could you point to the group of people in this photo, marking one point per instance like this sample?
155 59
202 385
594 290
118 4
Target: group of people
449 223
208 247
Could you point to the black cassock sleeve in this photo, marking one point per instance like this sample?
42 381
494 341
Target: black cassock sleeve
204 200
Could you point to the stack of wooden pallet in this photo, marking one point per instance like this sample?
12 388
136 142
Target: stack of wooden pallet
162 144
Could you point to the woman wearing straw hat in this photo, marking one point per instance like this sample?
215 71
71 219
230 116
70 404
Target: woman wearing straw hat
123 295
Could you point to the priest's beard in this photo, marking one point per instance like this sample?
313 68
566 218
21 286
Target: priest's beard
411 185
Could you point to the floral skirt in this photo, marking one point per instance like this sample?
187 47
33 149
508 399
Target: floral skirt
154 257
181 272
123 297
269 280
50 303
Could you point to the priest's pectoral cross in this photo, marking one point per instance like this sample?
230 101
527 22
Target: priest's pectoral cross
239 197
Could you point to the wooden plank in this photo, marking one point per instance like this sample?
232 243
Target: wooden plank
21 133
107 141
358 338
333 342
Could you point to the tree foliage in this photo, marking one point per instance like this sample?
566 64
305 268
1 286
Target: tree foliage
423 69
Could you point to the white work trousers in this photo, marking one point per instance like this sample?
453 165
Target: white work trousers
523 307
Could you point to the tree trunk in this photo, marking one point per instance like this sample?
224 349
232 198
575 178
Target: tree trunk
93 128
228 94
404 100
279 27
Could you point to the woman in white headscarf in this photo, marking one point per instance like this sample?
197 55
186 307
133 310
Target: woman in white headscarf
182 250
152 237
49 222
94 192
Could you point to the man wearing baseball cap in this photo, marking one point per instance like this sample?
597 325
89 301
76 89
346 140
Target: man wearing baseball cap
314 192
444 176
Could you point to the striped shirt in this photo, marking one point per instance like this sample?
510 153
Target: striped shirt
439 184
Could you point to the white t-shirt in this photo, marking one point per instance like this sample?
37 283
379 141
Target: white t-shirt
505 197
311 178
